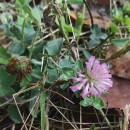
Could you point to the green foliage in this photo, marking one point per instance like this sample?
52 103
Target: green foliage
78 65
79 2
25 81
5 76
118 14
86 54
92 127
6 91
66 62
34 92
16 48
96 36
54 47
114 27
86 102
52 75
122 42
67 73
4 57
37 14
127 22
6 17
36 73
126 7
6 80
120 26
97 102
78 24
23 5
14 114
48 48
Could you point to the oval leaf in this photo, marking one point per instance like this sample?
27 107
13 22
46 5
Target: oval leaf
14 114
120 42
86 102
114 27
98 103
4 57
54 47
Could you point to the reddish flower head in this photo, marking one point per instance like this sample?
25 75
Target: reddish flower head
19 66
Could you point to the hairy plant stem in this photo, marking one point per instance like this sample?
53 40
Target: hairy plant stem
107 121
42 109
43 95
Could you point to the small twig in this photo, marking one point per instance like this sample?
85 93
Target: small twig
80 117
31 123
89 11
30 112
19 112
63 115
20 102
104 118
60 95
107 121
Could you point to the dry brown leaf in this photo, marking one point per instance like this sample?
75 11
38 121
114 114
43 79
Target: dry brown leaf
119 94
97 20
120 66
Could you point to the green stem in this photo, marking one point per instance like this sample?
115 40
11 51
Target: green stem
42 107
43 96
107 121
33 41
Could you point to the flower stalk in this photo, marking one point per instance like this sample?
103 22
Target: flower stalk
107 121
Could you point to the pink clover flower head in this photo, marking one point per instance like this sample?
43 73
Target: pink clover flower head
95 81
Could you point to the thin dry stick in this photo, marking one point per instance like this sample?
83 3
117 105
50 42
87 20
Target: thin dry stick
110 9
45 37
16 94
47 122
21 102
31 123
30 111
25 90
74 38
55 120
62 115
42 60
61 95
19 111
6 103
73 120
80 117
13 127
